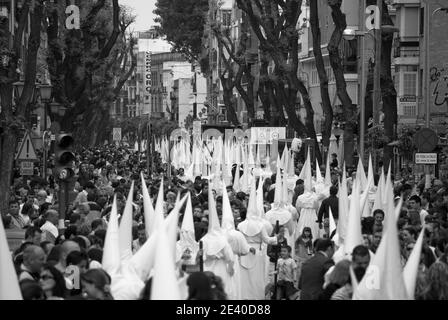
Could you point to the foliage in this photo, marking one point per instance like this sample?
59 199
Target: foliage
163 127
182 22
406 144
376 138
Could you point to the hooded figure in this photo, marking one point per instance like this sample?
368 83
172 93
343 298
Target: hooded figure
237 242
307 203
187 240
253 266
218 255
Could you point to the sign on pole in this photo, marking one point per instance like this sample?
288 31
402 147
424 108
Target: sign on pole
117 134
27 152
426 158
26 168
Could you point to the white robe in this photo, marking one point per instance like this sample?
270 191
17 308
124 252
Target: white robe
240 247
307 205
253 267
218 264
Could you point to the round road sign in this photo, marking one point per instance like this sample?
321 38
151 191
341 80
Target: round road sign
426 140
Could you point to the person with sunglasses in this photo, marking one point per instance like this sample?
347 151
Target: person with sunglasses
52 283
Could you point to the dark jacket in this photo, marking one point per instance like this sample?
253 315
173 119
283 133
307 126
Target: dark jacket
312 276
330 202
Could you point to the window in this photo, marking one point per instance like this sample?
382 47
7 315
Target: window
226 18
409 83
409 110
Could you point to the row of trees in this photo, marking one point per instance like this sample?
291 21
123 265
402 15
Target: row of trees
87 66
276 27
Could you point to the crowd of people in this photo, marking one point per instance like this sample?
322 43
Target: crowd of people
255 249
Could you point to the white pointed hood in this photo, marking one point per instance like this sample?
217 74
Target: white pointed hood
111 251
148 210
308 174
410 271
9 283
164 283
361 175
214 241
319 178
343 207
354 234
253 224
158 211
125 228
385 280
327 171
378 203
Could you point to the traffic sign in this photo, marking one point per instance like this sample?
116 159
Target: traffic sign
27 152
426 140
117 134
426 158
26 168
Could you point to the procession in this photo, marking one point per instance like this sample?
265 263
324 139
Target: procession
236 150
225 226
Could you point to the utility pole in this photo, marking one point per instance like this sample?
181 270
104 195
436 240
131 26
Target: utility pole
362 83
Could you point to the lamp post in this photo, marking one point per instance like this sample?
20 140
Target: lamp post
428 80
350 34
45 95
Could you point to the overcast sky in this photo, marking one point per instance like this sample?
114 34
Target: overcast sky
143 10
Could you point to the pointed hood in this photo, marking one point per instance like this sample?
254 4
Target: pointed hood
285 159
318 173
111 251
370 175
253 224
164 283
228 223
260 202
258 159
361 175
332 223
148 210
354 234
378 202
343 207
9 283
187 222
268 170
308 174
410 271
158 211
385 279
187 233
125 228
291 169
327 171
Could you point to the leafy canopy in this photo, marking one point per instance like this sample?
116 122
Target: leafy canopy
182 22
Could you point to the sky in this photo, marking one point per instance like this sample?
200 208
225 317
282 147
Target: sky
143 10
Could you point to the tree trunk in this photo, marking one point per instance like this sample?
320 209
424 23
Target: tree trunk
323 77
388 92
229 101
341 86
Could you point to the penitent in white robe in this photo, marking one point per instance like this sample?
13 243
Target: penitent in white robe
240 247
307 205
218 264
253 267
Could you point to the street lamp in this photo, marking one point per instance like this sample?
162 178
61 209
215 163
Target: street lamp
45 94
351 34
